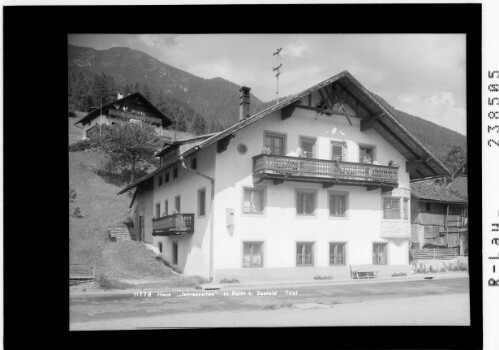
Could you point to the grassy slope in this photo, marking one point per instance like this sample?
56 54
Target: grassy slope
102 208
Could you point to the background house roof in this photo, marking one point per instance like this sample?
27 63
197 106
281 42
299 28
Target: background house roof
136 95
460 185
436 189
385 124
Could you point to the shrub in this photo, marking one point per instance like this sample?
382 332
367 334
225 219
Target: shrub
277 306
398 274
106 282
77 213
323 277
231 280
81 145
72 193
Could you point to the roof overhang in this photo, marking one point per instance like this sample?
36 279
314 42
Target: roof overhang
96 112
385 124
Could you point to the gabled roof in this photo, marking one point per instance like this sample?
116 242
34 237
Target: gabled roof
436 189
136 95
193 141
385 123
463 169
460 186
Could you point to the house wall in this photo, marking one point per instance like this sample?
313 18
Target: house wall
143 205
279 227
105 120
193 249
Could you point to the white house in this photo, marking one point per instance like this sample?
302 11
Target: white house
308 187
133 107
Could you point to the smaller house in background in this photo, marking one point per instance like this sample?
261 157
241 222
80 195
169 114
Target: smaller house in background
439 213
133 107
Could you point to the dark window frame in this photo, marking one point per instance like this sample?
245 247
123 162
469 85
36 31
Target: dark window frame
299 192
202 203
344 256
175 253
314 147
302 262
373 152
339 194
261 250
343 146
391 217
157 210
178 208
376 257
264 200
273 134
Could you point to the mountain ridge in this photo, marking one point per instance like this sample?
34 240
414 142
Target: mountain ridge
217 99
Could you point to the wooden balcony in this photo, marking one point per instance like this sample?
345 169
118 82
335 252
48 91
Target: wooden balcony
130 115
327 172
175 224
450 221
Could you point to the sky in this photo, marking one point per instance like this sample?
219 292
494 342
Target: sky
420 74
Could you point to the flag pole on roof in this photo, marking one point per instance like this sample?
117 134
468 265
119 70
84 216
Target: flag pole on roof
277 69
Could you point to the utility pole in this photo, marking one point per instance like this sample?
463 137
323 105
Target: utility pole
277 69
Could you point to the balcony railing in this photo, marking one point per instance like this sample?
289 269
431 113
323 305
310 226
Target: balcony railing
325 171
174 224
440 220
130 115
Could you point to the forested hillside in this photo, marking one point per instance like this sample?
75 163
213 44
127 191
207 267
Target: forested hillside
440 141
198 105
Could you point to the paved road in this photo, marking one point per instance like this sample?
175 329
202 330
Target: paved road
444 302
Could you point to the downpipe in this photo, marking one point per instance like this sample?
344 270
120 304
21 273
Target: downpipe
212 213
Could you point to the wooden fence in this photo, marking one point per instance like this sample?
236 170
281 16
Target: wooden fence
436 253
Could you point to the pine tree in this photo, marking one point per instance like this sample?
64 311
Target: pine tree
198 125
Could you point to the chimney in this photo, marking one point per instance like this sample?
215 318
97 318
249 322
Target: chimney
120 96
244 101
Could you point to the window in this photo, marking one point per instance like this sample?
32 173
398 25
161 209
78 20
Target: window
305 202
175 253
158 210
160 247
177 204
337 254
337 204
366 154
337 151
166 207
253 201
167 177
194 163
175 172
307 147
252 254
391 208
379 253
304 254
406 208
202 202
428 207
275 142
160 180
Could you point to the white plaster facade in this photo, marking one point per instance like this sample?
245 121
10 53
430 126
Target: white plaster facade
279 228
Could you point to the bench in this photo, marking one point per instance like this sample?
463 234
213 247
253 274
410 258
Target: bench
81 272
362 271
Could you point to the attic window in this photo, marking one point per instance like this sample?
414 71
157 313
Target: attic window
194 163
